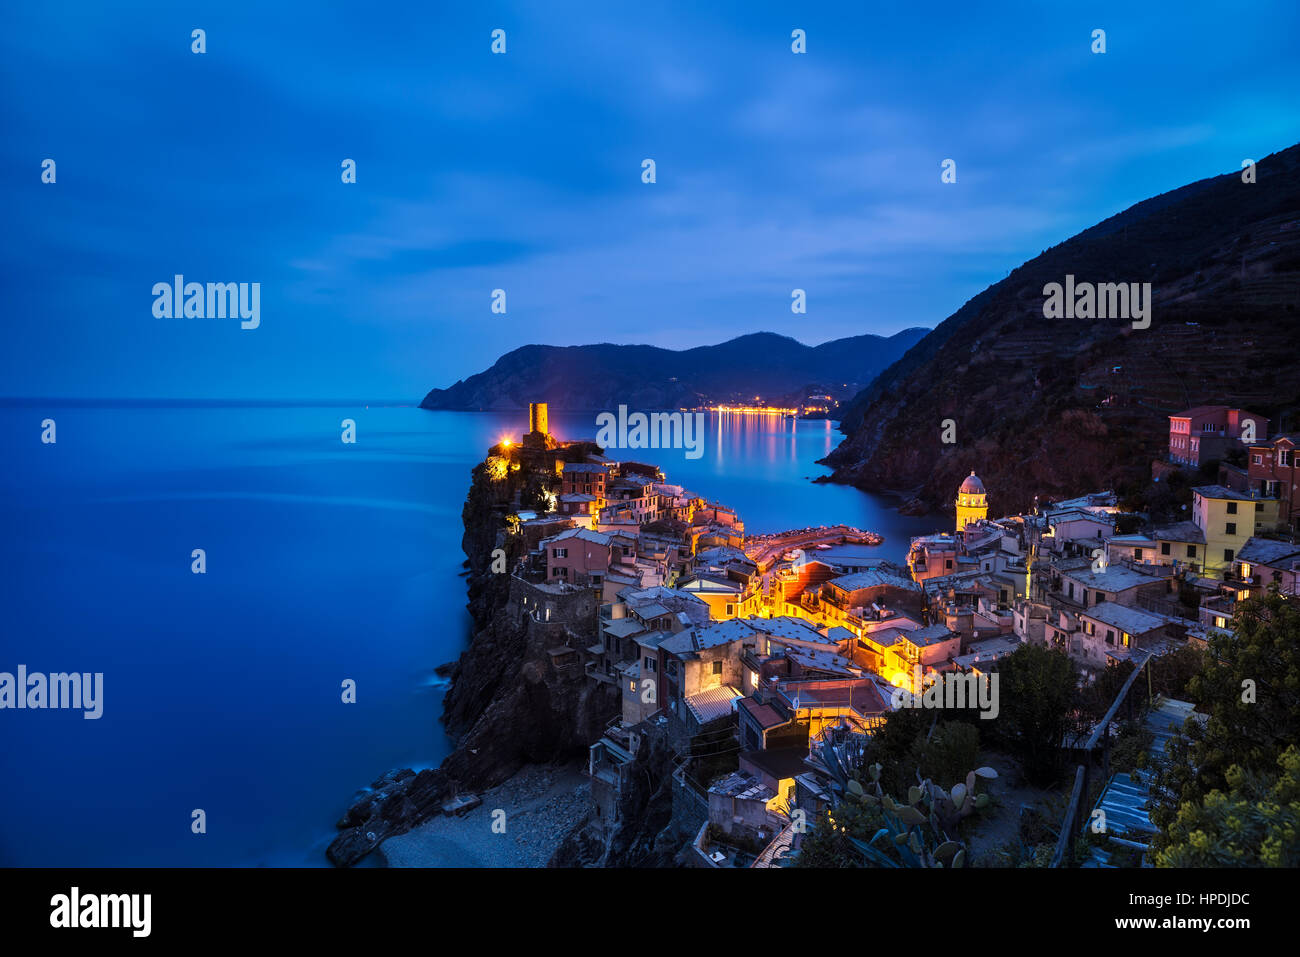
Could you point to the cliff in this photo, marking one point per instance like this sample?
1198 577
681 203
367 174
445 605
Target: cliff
647 377
512 700
1057 407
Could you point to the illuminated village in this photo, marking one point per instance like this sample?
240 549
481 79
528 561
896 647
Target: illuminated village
768 647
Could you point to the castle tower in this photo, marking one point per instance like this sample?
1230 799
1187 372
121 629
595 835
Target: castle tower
972 502
537 418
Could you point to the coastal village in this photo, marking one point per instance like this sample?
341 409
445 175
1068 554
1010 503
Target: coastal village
750 657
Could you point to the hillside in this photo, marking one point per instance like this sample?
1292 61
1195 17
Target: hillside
1056 407
596 377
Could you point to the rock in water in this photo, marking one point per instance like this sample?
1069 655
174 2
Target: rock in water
400 800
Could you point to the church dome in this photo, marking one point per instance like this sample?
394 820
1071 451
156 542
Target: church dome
972 486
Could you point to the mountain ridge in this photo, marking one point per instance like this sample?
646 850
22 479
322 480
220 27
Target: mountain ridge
1056 407
644 376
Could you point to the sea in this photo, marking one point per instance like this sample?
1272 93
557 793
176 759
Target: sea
267 605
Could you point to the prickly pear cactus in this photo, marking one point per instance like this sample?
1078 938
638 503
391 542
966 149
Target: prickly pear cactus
916 832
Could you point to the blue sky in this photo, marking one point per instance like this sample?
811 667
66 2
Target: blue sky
522 171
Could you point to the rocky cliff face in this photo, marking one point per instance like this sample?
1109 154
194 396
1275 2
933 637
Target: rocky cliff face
1058 407
510 702
648 833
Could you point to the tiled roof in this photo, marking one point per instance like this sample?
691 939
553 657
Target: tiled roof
796 629
584 534
929 635
1200 410
696 639
884 637
1131 620
1113 578
1263 551
1188 532
766 716
712 704
624 627
872 578
1220 492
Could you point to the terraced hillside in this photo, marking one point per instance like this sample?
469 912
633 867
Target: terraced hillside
1056 407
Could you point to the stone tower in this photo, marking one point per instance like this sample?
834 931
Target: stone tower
537 418
972 502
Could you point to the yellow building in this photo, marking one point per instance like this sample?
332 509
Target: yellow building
1228 518
972 502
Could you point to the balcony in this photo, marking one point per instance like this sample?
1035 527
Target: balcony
597 673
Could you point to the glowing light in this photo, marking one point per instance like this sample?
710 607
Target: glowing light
507 443
753 410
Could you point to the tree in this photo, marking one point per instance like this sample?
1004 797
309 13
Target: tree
1251 689
948 754
1036 697
1255 824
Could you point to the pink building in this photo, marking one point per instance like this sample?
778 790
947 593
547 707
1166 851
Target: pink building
578 556
1273 472
932 556
1207 431
585 479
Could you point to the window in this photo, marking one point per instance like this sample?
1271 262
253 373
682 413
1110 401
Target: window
1110 636
1258 459
1283 457
650 665
731 608
948 563
1137 554
717 667
1259 507
1232 508
1227 554
671 668
1230 528
559 553
1164 548
1191 551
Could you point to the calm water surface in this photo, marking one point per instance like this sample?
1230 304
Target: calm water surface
325 562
